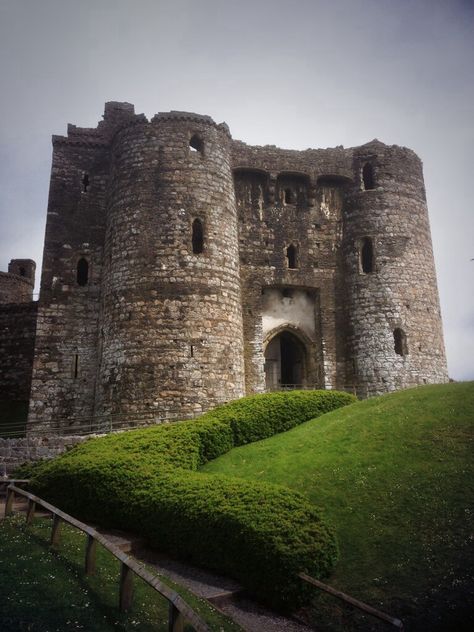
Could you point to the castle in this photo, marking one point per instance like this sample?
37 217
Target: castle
183 269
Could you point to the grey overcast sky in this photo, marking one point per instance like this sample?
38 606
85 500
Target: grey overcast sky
307 73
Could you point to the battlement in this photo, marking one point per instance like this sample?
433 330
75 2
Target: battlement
183 116
116 116
118 109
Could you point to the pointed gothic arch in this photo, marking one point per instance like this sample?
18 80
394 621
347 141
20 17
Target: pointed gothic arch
286 358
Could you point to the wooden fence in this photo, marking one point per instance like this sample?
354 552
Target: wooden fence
179 611
360 605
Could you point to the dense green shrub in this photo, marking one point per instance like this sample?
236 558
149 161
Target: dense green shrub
261 416
258 533
146 481
28 469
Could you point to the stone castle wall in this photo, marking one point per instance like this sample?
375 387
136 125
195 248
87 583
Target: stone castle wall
65 364
14 289
18 313
16 285
17 342
312 222
327 251
17 451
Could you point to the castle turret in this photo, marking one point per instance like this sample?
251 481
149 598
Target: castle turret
394 337
171 323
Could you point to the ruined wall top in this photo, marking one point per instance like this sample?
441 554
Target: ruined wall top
16 285
335 161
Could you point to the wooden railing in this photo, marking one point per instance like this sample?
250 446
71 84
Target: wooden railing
179 611
360 605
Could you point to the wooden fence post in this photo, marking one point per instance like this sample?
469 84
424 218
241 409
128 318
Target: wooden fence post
31 511
9 502
91 548
55 531
175 619
129 567
126 587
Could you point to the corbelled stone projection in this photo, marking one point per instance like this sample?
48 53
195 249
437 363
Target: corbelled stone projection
183 269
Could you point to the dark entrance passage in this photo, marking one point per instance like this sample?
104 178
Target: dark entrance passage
285 362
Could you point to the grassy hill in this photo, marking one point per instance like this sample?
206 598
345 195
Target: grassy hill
395 476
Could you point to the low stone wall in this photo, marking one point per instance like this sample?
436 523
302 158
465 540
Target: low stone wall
14 452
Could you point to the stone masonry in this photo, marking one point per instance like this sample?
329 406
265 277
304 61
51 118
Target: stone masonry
18 313
183 269
18 450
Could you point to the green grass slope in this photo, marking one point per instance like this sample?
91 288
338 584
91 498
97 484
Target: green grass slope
394 475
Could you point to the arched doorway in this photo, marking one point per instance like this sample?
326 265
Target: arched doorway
285 362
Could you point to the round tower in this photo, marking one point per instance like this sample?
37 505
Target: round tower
171 320
395 337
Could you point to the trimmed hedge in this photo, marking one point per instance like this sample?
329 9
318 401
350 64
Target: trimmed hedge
262 416
146 481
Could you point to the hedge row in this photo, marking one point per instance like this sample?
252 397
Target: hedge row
261 416
146 481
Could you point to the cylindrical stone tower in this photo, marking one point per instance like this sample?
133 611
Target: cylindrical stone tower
395 335
170 334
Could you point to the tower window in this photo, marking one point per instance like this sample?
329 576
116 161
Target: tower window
292 189
22 271
196 144
400 342
367 256
85 182
82 272
75 366
289 196
368 176
292 256
198 237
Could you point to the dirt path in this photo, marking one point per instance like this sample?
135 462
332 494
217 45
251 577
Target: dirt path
223 593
